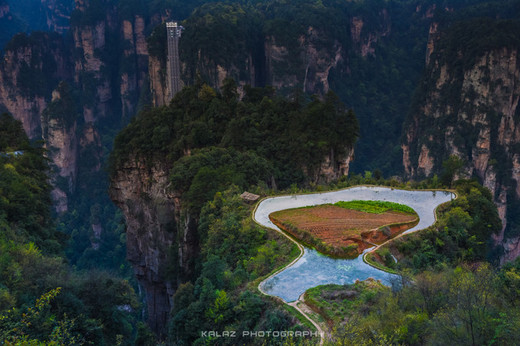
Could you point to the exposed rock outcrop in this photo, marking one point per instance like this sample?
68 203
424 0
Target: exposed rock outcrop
365 40
57 14
157 79
30 69
334 167
469 108
134 64
59 127
90 70
158 238
315 60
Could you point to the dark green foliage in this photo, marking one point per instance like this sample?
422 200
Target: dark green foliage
462 232
467 305
451 168
224 32
207 171
157 44
234 251
94 307
95 12
475 37
17 327
335 302
64 109
39 73
12 135
24 189
260 137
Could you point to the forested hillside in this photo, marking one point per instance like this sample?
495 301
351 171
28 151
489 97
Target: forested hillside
467 106
171 161
280 97
43 299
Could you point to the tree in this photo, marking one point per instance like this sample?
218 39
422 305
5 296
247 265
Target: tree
451 168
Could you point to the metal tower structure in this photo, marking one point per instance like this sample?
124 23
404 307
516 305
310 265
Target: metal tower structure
173 32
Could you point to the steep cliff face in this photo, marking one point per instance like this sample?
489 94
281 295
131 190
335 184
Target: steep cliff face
160 243
309 64
134 64
364 40
43 15
30 69
57 14
157 75
89 68
59 126
467 106
334 167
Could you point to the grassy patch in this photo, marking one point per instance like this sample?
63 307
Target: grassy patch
302 319
336 302
375 207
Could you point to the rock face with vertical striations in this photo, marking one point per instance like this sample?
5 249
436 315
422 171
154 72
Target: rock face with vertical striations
160 243
467 105
133 64
59 127
309 64
90 70
31 67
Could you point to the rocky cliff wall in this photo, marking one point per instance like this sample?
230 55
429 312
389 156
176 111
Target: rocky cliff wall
308 65
157 80
59 128
334 167
31 67
160 242
134 65
43 15
467 106
89 68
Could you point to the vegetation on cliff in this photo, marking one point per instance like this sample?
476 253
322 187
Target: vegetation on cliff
210 140
223 296
36 55
446 291
89 307
467 93
462 233
284 141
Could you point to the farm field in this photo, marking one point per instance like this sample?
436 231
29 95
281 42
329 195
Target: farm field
340 231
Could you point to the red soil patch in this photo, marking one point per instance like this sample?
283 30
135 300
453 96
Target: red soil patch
339 230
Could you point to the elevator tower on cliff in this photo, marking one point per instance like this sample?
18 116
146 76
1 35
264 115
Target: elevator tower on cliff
174 84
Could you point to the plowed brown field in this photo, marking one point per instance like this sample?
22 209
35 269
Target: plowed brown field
339 227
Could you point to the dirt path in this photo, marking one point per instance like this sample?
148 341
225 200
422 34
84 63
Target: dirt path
306 311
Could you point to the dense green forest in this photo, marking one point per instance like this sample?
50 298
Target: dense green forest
261 138
42 298
62 284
